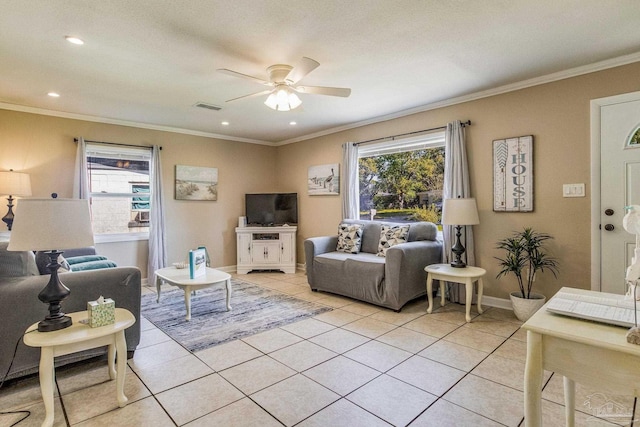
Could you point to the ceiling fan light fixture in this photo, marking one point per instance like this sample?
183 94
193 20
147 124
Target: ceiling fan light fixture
283 99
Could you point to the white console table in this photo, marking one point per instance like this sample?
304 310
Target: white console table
266 248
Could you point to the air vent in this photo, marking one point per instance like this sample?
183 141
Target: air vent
207 106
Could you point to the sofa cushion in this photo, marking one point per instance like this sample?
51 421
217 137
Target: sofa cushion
357 274
391 236
349 238
16 263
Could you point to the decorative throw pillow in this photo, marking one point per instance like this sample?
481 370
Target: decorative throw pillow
349 238
390 236
42 259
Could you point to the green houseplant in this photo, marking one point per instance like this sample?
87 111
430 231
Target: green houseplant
525 255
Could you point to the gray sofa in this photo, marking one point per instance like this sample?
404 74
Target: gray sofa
390 281
20 285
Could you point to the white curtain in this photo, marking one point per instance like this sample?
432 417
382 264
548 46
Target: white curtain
157 244
350 187
80 178
456 183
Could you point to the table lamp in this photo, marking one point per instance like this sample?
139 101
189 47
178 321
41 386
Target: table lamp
459 212
51 225
13 184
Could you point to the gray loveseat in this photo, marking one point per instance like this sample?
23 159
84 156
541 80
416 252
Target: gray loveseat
390 281
20 285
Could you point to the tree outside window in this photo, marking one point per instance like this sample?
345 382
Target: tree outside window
404 186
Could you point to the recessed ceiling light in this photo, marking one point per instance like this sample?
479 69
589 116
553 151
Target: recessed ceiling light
74 40
225 123
54 95
293 123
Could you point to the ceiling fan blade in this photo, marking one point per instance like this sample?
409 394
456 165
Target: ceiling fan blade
304 67
243 76
263 92
324 90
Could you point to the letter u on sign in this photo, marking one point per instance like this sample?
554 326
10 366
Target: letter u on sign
513 174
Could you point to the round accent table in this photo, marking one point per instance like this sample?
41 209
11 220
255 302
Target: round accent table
446 273
78 337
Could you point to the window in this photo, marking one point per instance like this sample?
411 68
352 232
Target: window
119 188
401 180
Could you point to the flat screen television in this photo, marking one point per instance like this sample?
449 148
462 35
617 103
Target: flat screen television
271 209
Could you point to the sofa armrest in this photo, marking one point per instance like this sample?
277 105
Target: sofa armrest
405 263
21 308
315 246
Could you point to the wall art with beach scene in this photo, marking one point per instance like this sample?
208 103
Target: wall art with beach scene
196 183
324 180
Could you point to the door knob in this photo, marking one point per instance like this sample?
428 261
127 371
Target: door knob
609 227
609 212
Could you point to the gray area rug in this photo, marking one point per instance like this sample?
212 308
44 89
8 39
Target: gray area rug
253 310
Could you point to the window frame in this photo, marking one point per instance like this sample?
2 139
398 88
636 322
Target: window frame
116 151
434 139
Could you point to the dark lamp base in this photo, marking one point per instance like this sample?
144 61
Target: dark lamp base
50 325
458 264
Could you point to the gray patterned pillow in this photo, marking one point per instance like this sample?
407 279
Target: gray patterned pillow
349 238
390 236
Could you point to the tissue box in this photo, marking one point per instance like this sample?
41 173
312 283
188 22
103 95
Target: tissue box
101 313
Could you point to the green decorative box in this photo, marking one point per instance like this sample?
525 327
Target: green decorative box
101 312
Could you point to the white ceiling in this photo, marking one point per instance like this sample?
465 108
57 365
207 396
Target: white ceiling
149 61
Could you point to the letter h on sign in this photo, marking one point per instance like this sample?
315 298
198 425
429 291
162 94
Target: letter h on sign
513 174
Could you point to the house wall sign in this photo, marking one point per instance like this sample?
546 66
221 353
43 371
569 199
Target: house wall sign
513 174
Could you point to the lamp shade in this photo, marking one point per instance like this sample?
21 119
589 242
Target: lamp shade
460 212
15 183
51 224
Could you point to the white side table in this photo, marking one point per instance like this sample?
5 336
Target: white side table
79 337
180 278
446 273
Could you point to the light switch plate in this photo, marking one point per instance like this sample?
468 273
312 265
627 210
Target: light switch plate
573 190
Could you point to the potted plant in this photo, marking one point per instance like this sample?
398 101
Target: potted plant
525 255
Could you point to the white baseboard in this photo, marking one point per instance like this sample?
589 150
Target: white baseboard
497 302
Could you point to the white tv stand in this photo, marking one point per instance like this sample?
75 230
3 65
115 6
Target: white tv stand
266 248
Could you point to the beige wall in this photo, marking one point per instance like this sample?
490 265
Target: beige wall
43 147
556 114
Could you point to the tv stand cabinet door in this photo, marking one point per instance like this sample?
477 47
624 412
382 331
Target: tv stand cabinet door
243 253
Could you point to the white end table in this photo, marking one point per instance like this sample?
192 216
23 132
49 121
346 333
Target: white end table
80 337
466 276
180 277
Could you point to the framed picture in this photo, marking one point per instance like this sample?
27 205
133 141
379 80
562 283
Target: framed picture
324 180
196 183
513 174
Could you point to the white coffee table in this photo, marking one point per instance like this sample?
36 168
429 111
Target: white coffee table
78 337
446 273
180 278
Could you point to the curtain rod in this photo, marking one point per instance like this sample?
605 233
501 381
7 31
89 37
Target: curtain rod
116 143
467 123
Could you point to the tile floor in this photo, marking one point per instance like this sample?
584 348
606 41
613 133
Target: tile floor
358 365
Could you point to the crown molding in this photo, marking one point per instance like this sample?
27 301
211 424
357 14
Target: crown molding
96 119
536 81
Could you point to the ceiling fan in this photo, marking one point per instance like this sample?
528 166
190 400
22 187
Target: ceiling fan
283 83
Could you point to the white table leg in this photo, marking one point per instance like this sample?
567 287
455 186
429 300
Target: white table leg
569 402
121 353
187 301
228 284
533 381
442 293
47 378
111 361
468 286
480 287
429 292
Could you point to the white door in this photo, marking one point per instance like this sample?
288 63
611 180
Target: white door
619 187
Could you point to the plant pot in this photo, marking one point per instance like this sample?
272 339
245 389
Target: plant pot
524 308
